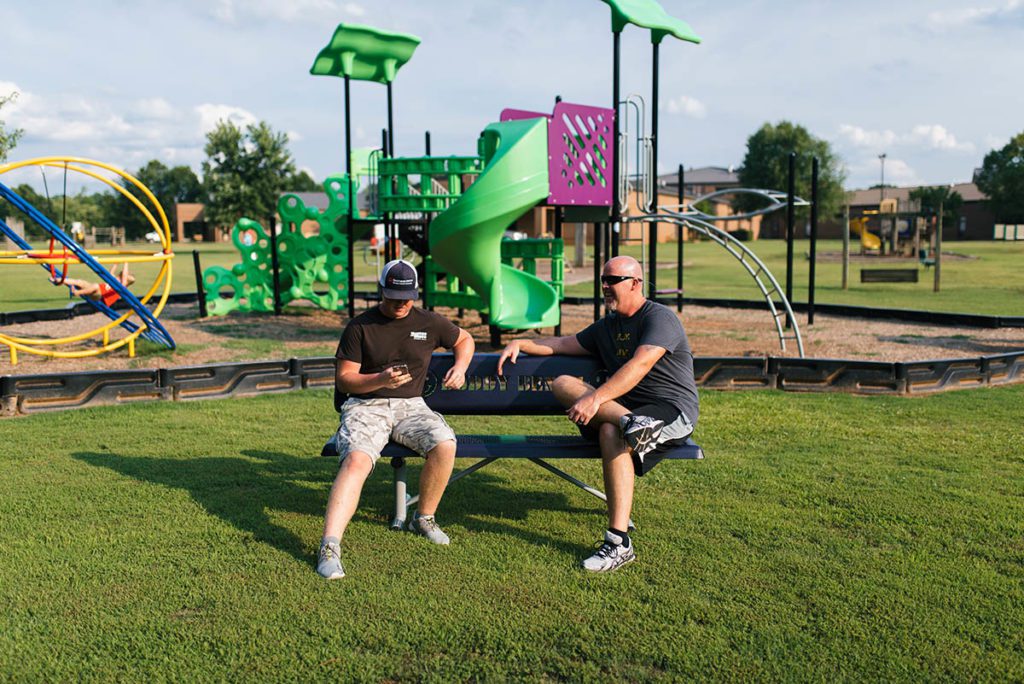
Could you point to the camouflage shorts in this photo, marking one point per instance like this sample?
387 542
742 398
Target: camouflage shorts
368 424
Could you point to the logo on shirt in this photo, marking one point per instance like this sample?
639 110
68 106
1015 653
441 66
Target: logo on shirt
621 342
419 336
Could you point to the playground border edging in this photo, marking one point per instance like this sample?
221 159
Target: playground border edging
26 394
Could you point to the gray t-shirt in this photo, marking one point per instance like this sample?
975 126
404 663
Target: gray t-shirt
614 339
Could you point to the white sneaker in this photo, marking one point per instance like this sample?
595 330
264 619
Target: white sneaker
329 561
641 434
428 527
610 555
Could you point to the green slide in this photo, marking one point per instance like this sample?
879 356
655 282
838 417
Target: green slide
465 240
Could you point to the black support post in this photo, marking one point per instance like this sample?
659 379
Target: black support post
814 240
616 215
679 242
558 236
274 265
200 288
790 218
388 240
652 247
598 239
351 206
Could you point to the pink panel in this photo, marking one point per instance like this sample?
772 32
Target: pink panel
580 153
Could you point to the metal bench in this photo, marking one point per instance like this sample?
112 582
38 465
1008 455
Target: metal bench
524 390
888 275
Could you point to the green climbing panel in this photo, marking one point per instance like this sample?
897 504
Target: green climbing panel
310 267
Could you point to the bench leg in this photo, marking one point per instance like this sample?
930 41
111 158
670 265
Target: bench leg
401 501
411 500
579 483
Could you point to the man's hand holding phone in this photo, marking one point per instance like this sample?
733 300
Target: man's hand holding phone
397 375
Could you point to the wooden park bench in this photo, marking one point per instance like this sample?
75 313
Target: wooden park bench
524 390
888 275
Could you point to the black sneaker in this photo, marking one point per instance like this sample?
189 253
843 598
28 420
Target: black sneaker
611 555
641 434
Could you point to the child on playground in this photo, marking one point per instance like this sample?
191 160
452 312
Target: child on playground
97 291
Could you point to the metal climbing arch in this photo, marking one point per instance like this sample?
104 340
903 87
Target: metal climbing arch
703 223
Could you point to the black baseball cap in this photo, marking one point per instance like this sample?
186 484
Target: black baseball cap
398 280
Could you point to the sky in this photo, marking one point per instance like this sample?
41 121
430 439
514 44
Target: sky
933 85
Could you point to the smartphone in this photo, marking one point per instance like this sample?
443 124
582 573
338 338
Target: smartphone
401 368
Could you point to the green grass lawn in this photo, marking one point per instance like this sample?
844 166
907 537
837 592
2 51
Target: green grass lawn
825 537
991 283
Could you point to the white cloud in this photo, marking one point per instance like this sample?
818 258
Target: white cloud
899 172
685 105
154 108
937 137
126 134
238 11
958 18
921 136
211 114
860 137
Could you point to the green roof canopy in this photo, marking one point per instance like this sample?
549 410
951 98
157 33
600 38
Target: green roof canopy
364 53
649 14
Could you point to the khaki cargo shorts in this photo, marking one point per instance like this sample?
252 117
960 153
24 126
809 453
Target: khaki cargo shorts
368 424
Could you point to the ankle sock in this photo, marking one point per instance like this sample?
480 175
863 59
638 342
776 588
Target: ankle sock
618 533
330 540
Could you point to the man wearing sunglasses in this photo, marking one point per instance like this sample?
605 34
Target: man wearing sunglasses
649 400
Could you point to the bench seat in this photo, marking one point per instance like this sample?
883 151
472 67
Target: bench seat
524 390
535 446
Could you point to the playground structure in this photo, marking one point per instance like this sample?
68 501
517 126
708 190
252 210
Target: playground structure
868 240
63 253
454 211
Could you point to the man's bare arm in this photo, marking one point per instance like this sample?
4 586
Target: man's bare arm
620 382
349 380
543 346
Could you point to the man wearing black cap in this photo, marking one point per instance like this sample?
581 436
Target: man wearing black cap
383 359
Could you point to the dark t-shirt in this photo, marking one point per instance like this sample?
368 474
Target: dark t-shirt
377 342
614 339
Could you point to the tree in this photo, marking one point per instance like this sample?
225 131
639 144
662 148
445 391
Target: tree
301 182
168 185
766 165
8 137
931 198
244 173
1002 179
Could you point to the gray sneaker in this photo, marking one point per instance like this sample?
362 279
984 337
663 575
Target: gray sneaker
329 561
610 555
641 434
427 526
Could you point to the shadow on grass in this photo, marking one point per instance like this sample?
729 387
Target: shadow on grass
242 490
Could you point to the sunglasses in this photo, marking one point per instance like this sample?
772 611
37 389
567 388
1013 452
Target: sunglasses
616 279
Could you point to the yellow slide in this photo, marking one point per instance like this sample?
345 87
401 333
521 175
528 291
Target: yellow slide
867 240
